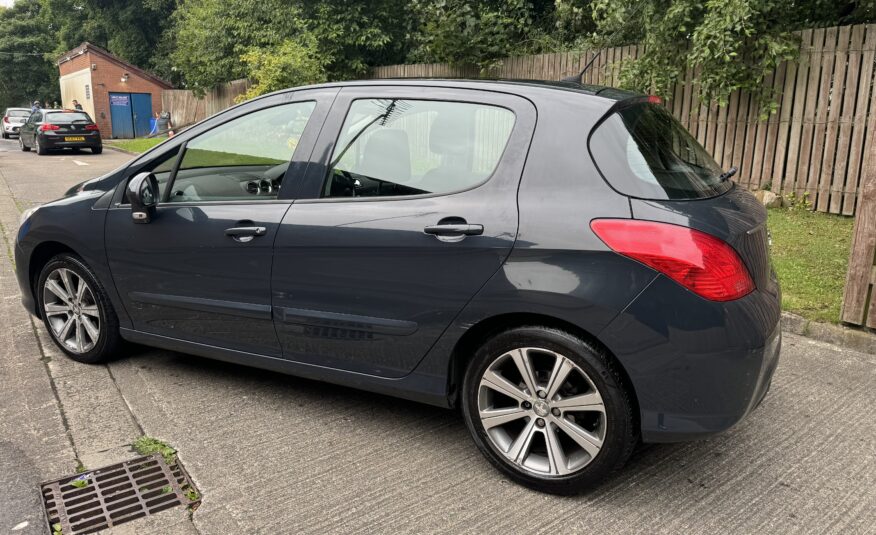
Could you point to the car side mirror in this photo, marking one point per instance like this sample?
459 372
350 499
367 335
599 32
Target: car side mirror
143 194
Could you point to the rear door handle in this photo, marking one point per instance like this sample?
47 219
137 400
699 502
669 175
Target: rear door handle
244 232
454 230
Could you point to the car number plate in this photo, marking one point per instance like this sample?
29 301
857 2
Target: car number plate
74 138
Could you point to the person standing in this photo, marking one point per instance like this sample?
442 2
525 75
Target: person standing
35 106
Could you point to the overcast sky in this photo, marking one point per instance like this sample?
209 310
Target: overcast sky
6 3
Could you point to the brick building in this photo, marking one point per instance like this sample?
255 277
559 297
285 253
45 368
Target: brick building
117 95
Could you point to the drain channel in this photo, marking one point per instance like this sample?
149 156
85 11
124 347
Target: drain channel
112 495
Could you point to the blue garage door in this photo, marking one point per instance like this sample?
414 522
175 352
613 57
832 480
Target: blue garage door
142 107
121 115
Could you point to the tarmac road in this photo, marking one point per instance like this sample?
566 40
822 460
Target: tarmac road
278 454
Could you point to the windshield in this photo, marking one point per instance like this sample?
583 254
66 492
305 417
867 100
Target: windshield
644 152
18 113
68 117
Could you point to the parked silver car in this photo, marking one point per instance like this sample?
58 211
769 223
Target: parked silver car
12 121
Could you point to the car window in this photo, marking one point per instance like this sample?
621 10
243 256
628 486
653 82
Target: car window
18 113
61 117
644 152
391 147
244 159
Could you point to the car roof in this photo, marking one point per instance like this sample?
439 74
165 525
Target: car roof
521 87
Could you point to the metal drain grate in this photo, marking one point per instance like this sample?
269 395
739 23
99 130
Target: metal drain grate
115 494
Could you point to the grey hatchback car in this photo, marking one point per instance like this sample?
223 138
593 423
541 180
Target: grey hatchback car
563 262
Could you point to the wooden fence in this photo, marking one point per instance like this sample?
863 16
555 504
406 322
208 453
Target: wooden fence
814 144
185 108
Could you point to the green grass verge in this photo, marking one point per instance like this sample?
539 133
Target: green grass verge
811 254
135 145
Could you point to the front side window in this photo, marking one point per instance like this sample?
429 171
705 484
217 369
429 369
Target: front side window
243 159
392 147
645 153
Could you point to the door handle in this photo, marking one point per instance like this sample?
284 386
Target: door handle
244 232
454 230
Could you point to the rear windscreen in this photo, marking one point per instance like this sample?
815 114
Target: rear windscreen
18 113
644 152
68 117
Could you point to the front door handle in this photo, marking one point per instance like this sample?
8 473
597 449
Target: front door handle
454 230
245 234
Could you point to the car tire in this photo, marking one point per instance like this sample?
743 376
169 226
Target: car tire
96 150
81 322
5 135
551 460
39 148
21 144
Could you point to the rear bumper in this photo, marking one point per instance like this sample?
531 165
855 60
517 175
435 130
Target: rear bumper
697 367
59 141
11 128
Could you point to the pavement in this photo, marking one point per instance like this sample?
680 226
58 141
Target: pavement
278 454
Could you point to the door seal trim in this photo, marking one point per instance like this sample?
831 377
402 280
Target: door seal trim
318 318
233 308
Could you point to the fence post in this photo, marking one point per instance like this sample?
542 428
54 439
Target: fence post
862 272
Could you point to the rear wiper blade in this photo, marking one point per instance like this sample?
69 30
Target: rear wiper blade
727 174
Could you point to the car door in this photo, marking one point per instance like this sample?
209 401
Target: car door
200 271
28 129
406 211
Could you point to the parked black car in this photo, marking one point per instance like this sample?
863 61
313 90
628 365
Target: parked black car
564 262
47 130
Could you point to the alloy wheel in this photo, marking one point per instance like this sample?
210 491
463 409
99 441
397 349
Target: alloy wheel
71 310
542 412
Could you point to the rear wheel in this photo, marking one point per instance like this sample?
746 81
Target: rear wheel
548 409
39 148
97 150
21 144
5 135
76 310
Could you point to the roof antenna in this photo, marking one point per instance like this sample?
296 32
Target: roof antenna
577 78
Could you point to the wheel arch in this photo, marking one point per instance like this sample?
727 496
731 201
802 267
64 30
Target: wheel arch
39 257
482 331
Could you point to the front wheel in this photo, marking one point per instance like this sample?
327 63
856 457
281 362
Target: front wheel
548 409
76 310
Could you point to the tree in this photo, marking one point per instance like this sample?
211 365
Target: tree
289 64
212 35
27 69
480 33
733 44
130 29
356 35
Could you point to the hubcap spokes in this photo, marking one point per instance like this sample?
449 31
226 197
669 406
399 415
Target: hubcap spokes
71 310
542 411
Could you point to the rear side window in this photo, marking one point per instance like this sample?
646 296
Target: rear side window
396 147
68 117
18 113
644 152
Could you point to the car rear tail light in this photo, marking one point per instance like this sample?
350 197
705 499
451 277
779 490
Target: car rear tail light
91 127
702 263
49 126
5 119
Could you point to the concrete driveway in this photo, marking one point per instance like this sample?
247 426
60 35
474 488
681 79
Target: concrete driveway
278 454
